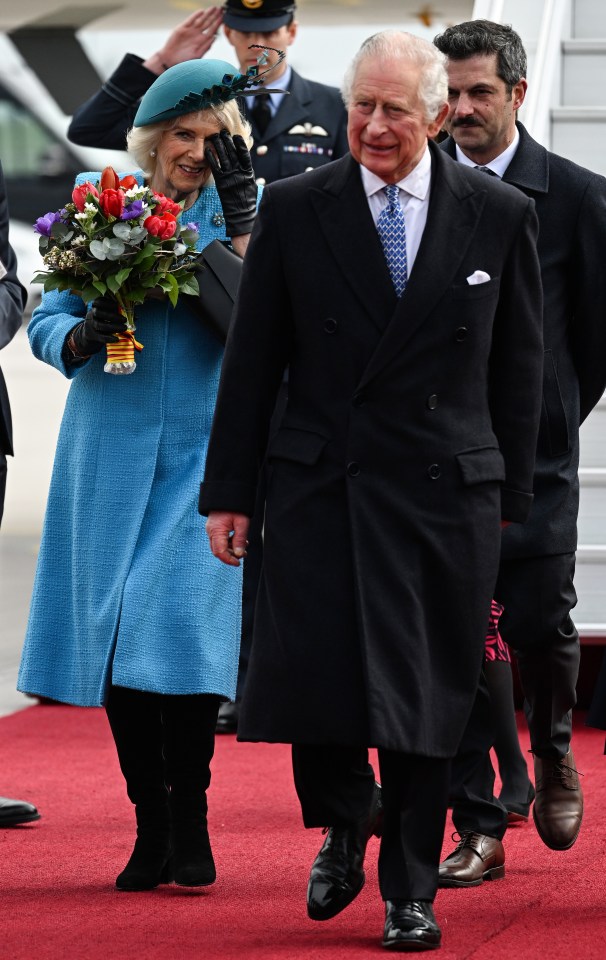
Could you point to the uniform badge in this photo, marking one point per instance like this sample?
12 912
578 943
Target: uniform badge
308 129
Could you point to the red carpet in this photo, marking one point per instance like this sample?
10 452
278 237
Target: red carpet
56 876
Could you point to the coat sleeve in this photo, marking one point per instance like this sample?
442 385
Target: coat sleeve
51 322
516 368
588 326
104 120
13 295
256 355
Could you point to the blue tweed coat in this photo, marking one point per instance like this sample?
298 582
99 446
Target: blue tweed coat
126 589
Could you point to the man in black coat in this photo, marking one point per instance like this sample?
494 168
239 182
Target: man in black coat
487 68
303 127
403 293
12 304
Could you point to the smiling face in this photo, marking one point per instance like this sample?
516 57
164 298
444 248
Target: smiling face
387 127
279 39
181 169
481 110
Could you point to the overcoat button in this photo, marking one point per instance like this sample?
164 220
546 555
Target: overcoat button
353 469
261 181
460 334
330 325
261 151
434 471
432 401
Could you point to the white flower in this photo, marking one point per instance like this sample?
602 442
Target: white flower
81 216
90 207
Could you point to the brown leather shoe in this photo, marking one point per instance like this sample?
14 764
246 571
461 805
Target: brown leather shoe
558 808
476 858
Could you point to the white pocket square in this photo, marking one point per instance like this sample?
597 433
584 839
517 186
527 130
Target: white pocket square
478 276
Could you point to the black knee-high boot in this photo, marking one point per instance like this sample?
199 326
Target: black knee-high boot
136 723
189 743
517 790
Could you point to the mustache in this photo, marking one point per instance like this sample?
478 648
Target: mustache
466 122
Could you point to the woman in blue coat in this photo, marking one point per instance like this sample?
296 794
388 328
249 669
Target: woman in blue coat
129 609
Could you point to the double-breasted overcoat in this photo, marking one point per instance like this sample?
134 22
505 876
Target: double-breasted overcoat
409 434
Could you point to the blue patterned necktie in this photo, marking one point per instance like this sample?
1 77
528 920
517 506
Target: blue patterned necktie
392 234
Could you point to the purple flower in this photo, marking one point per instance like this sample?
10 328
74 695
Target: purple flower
43 225
133 210
192 226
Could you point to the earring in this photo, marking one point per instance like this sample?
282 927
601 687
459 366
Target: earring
152 153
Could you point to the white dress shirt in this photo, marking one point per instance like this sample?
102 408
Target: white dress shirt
414 198
499 164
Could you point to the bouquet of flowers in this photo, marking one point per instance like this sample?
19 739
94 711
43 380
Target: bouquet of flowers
119 239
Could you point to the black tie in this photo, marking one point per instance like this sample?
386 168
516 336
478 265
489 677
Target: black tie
261 112
487 170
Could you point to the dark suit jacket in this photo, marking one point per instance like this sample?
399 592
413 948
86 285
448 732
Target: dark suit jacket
309 129
571 207
12 304
410 430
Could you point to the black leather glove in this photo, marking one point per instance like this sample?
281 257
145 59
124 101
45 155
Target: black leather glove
231 165
102 321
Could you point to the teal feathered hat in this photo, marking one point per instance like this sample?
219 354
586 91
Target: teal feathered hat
197 85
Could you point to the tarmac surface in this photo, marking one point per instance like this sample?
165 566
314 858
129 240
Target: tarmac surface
17 567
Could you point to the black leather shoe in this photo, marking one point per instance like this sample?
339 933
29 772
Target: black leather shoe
337 874
227 720
14 812
410 925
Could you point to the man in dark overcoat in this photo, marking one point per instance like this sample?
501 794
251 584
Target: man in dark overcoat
408 438
487 85
13 297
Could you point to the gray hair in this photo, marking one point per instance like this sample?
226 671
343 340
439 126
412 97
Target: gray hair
142 142
484 37
395 44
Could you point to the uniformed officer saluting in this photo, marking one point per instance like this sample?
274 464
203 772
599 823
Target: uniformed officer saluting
295 130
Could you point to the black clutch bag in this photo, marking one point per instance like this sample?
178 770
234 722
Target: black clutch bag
218 279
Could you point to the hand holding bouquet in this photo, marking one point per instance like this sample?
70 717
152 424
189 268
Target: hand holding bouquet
121 240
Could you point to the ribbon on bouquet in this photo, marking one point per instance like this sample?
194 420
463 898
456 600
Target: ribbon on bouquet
123 349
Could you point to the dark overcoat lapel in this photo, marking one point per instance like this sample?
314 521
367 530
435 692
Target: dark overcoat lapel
344 217
345 220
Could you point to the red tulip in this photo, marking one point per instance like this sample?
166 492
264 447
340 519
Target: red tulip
80 193
112 202
128 182
109 179
162 227
165 205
